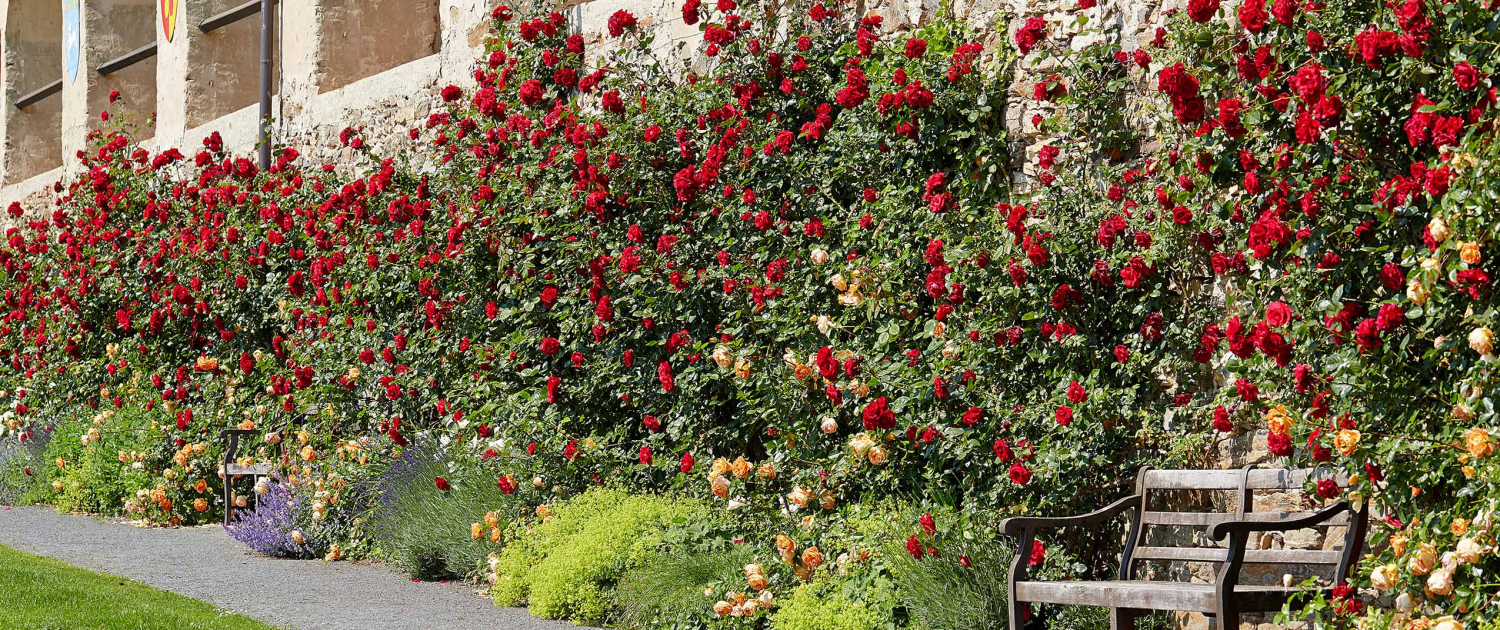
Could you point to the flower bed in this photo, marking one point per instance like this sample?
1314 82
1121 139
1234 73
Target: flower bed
798 281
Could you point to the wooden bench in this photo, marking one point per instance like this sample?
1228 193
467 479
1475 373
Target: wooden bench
1129 597
231 469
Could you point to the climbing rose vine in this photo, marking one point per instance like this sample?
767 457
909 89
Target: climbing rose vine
798 274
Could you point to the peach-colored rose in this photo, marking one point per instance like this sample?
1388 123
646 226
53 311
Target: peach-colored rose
740 468
1277 420
1416 292
1438 229
766 471
721 487
1469 253
812 557
1385 576
1482 340
1469 550
1440 582
1477 442
1345 441
1423 560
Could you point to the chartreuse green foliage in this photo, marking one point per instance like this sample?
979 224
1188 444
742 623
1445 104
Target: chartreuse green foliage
42 593
564 566
822 605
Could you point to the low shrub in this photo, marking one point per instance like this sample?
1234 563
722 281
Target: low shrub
432 533
564 566
821 605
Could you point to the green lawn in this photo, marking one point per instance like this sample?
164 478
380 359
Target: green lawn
39 593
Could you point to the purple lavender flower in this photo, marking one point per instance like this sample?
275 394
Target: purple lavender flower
271 529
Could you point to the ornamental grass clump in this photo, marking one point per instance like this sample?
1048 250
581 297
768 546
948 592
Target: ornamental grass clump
432 523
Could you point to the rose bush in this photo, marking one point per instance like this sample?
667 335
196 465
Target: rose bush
799 276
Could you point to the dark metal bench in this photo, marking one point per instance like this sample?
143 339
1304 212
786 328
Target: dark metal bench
1128 597
232 469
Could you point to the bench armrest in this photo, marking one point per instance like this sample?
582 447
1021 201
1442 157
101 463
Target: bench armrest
1220 530
1012 526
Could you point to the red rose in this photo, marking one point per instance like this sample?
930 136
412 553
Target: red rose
1222 423
1064 415
878 415
1002 450
1278 314
1253 15
1076 393
973 416
442 484
652 424
687 463
553 383
1465 75
1280 444
1201 11
506 485
1033 32
1328 489
664 374
645 456
1019 475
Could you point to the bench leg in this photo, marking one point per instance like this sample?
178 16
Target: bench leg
1228 618
1122 618
1017 615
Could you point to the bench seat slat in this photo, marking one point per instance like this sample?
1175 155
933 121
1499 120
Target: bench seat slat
1252 556
1206 519
1143 594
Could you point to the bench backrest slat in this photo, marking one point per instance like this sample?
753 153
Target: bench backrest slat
1253 556
1207 519
1241 485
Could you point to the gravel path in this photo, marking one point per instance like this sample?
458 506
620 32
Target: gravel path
207 564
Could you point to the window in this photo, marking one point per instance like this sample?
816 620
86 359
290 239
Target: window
122 49
360 38
33 80
223 74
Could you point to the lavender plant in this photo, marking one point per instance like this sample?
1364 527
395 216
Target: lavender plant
271 528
